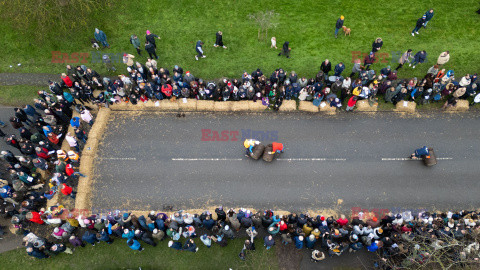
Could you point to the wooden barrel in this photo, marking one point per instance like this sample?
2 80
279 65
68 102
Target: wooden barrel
257 151
267 154
430 159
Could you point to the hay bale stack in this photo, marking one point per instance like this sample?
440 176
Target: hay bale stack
240 106
289 106
169 105
364 106
327 108
223 106
257 151
205 105
190 106
410 108
150 104
120 106
461 106
307 106
268 154
257 106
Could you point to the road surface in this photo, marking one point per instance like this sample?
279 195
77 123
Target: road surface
148 161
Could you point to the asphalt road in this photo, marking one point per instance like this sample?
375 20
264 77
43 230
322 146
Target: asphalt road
147 161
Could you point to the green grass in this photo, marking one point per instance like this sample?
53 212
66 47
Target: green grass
307 24
18 95
119 256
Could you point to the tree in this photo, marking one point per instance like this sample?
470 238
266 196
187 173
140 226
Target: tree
265 19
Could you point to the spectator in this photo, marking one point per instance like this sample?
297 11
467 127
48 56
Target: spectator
136 43
151 49
339 25
134 244
443 58
356 68
428 16
339 68
369 60
420 23
377 45
285 49
326 67
419 58
273 40
198 48
405 58
150 38
101 37
219 40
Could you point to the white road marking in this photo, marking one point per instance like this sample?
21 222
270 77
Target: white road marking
281 159
312 159
204 159
396 159
119 158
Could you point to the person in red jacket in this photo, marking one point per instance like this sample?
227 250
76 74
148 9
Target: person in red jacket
277 147
167 90
67 191
351 103
42 153
67 80
35 217
342 221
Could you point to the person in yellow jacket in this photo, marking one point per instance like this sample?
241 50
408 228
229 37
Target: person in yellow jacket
249 144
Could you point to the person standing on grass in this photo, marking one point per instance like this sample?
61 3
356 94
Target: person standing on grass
339 25
150 37
151 50
219 40
420 23
199 50
419 58
136 43
286 49
101 37
405 58
339 68
369 60
428 16
326 67
356 68
377 45
443 58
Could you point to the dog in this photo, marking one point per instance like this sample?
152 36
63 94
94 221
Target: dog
346 30
94 44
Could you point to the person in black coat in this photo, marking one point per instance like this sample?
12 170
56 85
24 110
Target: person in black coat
150 48
285 50
420 23
219 40
377 45
419 58
326 67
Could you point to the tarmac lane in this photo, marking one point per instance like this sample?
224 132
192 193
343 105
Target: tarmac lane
151 160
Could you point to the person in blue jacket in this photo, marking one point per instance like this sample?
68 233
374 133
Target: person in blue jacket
419 153
339 68
428 16
310 241
89 238
419 58
134 244
101 37
298 242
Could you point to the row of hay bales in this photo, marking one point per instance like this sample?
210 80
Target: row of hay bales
410 106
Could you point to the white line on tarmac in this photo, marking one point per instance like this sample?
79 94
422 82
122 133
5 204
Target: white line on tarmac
120 158
204 159
397 159
312 159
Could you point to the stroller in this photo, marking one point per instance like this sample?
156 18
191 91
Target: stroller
108 63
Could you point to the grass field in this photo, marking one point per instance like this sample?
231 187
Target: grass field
307 24
17 95
119 256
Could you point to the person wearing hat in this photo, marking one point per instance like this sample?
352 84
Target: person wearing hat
420 22
298 241
369 60
339 25
150 37
317 256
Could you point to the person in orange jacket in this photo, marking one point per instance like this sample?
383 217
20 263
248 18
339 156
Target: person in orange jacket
277 147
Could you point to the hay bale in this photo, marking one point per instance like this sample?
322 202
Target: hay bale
461 106
119 106
90 147
326 108
256 106
240 106
222 106
307 106
289 106
410 106
205 105
364 106
190 106
168 105
257 151
268 154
